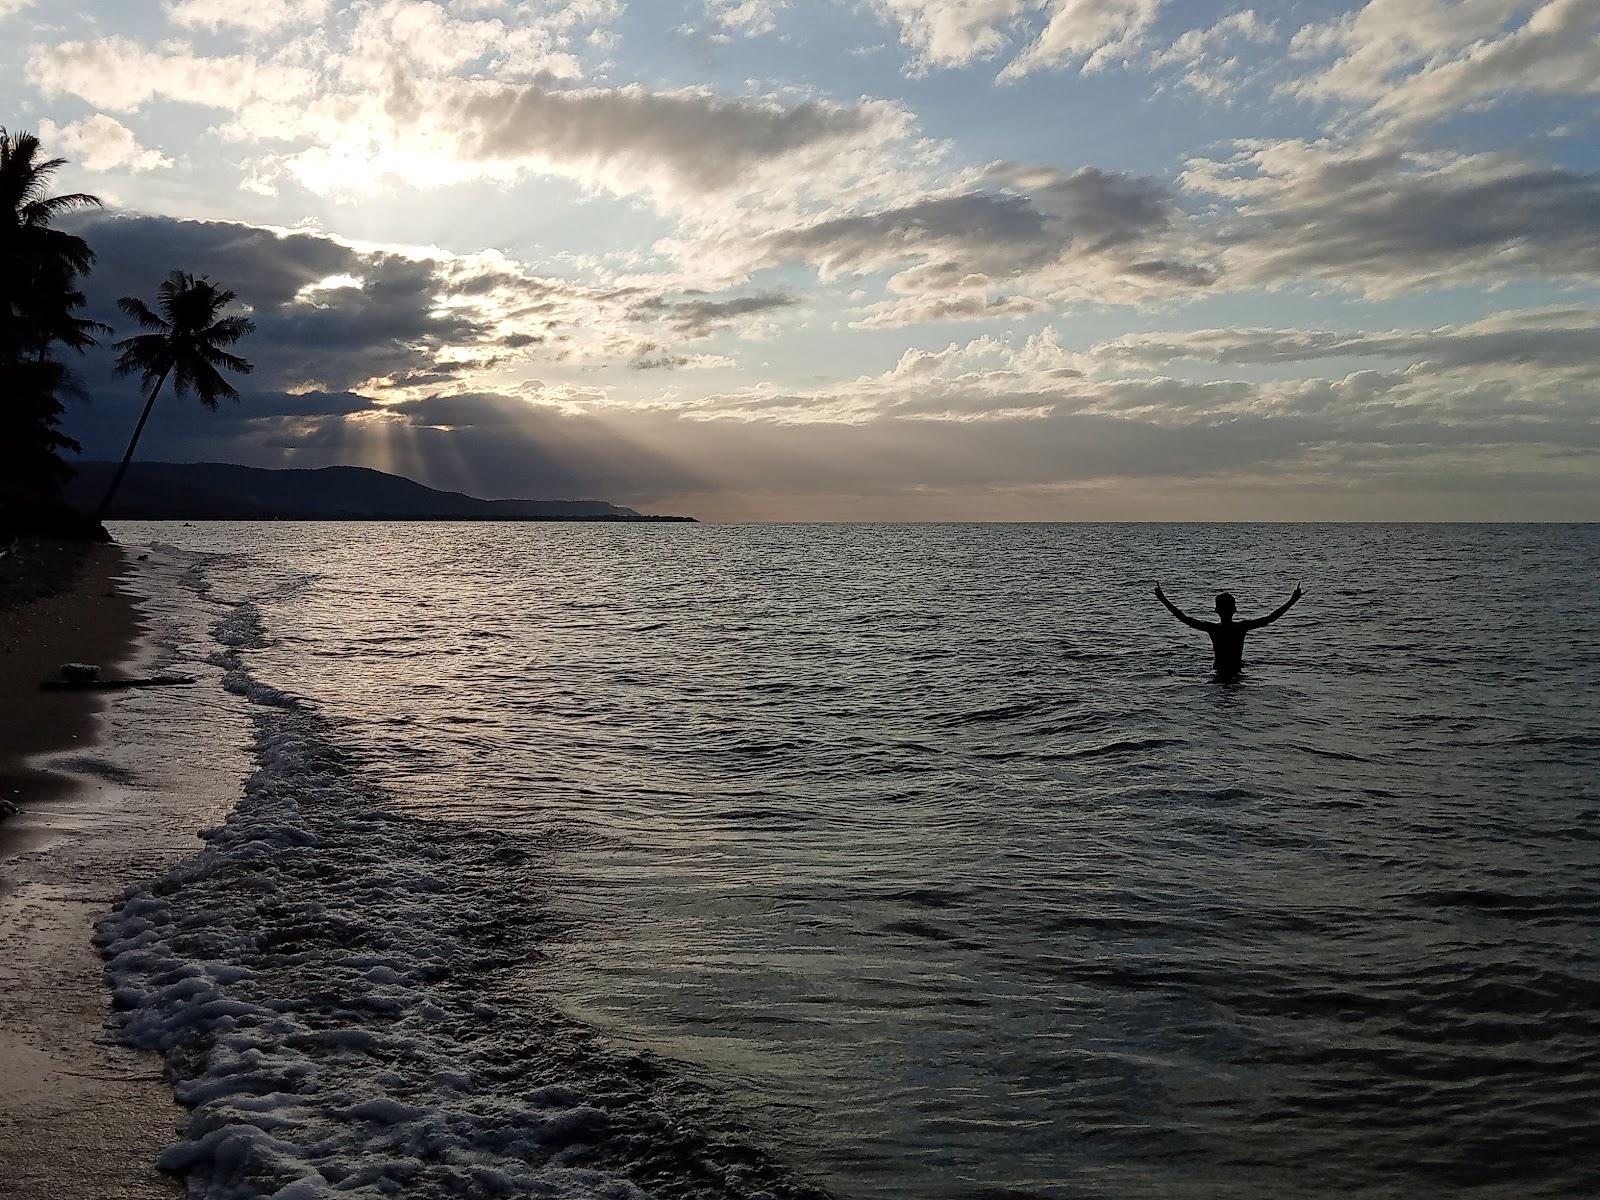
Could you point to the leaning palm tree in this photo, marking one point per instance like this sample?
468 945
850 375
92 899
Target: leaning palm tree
185 343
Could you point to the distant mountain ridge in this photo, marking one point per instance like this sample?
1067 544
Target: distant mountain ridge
156 491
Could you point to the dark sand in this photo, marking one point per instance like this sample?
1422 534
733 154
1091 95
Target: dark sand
58 603
80 1117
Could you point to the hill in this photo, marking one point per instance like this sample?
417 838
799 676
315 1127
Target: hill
226 492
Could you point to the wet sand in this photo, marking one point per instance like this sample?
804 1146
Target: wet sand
58 603
80 1117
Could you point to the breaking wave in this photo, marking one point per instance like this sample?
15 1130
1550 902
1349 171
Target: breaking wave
347 998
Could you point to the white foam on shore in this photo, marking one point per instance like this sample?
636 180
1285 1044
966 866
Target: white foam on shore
242 629
305 976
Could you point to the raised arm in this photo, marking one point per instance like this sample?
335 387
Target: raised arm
1272 616
1178 612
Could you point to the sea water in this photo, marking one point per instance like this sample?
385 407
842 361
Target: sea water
882 861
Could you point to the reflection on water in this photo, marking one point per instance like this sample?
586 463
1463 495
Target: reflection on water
943 850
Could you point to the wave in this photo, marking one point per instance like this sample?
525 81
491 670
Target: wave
346 999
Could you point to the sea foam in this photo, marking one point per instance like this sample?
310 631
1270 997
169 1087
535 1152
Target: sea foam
303 977
344 996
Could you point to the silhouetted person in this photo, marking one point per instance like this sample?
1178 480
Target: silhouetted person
1227 635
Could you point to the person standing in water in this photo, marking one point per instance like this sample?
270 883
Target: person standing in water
1227 635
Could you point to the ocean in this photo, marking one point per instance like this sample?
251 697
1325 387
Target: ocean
876 861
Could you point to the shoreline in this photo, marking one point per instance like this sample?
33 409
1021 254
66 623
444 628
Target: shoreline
80 1116
82 615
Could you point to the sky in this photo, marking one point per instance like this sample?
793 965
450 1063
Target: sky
861 259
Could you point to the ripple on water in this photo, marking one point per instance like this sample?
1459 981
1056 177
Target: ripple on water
940 847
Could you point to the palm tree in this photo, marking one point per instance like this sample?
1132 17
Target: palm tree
184 343
38 263
39 299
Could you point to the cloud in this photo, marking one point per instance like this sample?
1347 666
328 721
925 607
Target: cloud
391 107
411 91
1091 32
256 17
429 39
975 305
1015 236
121 75
335 316
1502 404
1541 340
700 318
102 143
952 33
981 230
675 362
1384 220
1481 422
306 337
995 427
956 33
1198 54
1195 45
748 18
685 141
469 367
1408 62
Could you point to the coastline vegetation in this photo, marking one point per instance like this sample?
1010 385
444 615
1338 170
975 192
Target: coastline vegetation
41 271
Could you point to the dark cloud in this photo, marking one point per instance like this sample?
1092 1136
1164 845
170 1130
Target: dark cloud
257 405
690 139
332 316
1027 218
1044 234
701 318
1098 210
991 231
336 337
467 411
1386 220
134 252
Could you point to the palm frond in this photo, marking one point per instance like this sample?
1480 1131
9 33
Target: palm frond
210 386
43 244
146 354
177 287
46 209
79 334
140 311
228 330
221 358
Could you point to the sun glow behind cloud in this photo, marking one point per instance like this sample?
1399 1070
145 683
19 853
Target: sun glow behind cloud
758 274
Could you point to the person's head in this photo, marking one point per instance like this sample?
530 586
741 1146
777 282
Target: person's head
1225 605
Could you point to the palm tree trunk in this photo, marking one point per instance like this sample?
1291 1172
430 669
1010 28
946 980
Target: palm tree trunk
122 469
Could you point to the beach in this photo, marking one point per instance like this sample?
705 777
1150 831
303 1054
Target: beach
524 877
80 1116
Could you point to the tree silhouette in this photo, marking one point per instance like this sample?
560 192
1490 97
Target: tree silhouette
39 296
185 343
